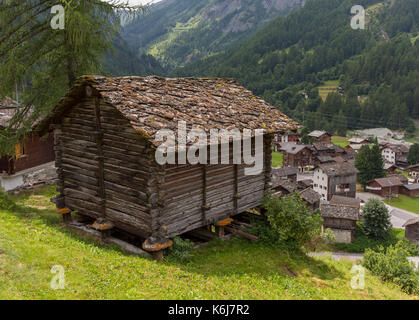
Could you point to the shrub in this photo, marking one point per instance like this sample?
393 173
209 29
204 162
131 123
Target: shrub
391 264
375 221
291 219
6 203
180 250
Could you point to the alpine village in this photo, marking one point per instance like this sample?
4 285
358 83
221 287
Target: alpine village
315 172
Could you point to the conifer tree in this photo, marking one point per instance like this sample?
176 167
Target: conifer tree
40 61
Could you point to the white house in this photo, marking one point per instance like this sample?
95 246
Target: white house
389 155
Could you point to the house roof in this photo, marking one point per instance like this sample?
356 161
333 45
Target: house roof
356 146
393 181
411 221
397 147
317 133
154 103
291 187
324 146
338 168
356 140
411 187
310 195
284 172
415 166
325 159
305 183
292 148
388 165
339 211
345 201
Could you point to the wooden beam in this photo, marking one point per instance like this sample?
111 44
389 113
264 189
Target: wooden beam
99 141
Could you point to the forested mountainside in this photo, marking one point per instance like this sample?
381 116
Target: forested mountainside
180 31
123 61
290 59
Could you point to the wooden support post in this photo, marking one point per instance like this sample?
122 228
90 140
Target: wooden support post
205 206
236 189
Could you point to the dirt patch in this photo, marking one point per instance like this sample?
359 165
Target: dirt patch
289 272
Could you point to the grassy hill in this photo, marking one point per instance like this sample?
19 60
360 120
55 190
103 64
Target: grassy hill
32 240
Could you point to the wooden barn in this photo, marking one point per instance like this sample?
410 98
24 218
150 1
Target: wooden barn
105 133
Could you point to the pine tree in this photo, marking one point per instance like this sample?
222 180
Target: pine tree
370 164
413 155
46 61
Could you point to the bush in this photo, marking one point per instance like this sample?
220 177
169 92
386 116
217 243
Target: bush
292 220
6 203
375 221
180 250
391 264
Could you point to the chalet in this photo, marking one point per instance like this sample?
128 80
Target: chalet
305 183
341 219
414 172
336 178
311 197
284 187
385 187
357 140
354 147
106 135
320 136
289 136
412 230
411 190
31 154
286 173
322 149
296 155
402 178
395 154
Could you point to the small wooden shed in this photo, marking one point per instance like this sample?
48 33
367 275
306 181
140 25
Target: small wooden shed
105 142
412 230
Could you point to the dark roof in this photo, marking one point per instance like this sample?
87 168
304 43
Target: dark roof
415 166
345 201
339 211
325 159
411 221
155 103
402 178
324 146
310 196
284 172
305 183
393 181
348 155
289 186
338 168
397 147
411 187
292 148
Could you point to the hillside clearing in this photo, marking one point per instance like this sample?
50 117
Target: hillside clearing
328 87
340 141
33 240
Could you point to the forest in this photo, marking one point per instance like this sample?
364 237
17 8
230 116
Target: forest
377 69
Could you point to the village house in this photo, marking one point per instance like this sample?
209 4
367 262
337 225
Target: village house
341 218
412 230
390 168
296 155
320 136
33 155
346 201
286 173
385 187
395 154
335 178
411 190
311 198
354 147
322 149
289 136
106 136
414 172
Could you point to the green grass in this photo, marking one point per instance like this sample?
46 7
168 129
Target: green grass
32 240
362 242
340 141
405 203
277 159
328 87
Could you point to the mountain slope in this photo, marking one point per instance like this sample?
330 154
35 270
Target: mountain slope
180 31
285 62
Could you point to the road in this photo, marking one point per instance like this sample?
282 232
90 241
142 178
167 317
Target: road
352 256
398 216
